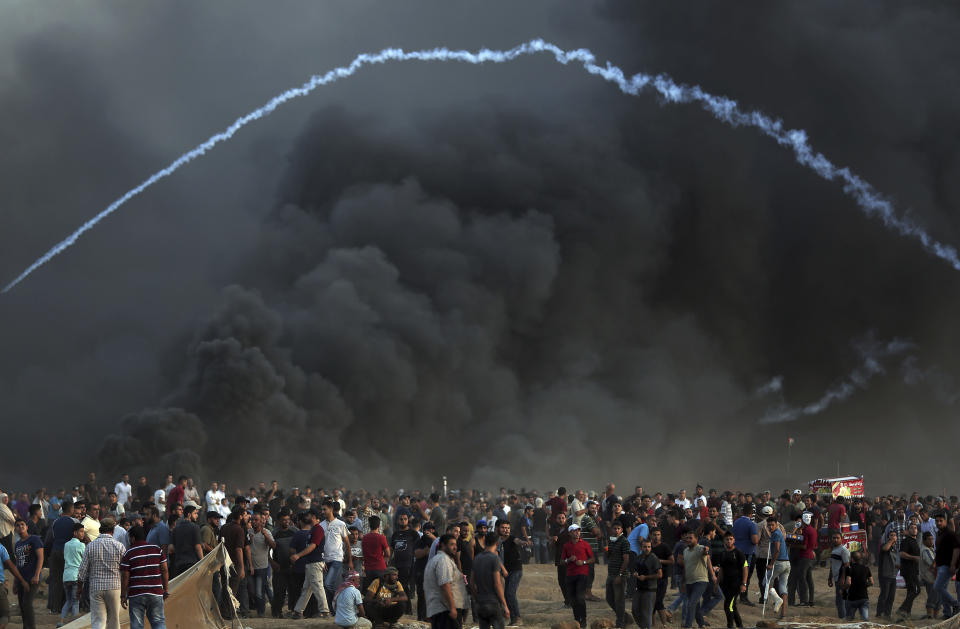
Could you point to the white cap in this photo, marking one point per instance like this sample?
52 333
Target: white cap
797 491
573 527
767 510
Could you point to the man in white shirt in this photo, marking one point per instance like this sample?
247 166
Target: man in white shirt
213 497
123 490
578 507
160 499
336 540
682 501
190 493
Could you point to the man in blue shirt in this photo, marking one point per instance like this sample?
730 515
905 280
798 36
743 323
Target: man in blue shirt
6 562
639 533
779 564
29 553
746 536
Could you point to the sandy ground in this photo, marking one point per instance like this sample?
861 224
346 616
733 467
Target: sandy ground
542 606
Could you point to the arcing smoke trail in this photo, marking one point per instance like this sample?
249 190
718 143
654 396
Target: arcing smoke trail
722 108
870 354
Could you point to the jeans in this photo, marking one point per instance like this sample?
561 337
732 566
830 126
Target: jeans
680 601
147 606
71 606
841 603
862 606
615 596
105 609
260 596
942 585
643 603
510 593
25 602
781 571
577 591
691 610
541 544
332 580
443 621
313 586
751 561
888 589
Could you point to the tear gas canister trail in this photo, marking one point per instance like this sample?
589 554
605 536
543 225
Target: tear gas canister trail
722 108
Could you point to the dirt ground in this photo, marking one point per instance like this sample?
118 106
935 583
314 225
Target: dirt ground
542 606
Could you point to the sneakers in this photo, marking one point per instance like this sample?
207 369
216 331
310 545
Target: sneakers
294 615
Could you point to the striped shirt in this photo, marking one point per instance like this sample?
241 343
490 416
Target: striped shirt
143 561
101 564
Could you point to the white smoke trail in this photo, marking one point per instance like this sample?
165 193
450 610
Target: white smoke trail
722 108
871 353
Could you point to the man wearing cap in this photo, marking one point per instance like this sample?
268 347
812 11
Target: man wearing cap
100 569
577 557
385 597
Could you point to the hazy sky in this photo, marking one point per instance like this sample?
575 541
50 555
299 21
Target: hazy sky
510 274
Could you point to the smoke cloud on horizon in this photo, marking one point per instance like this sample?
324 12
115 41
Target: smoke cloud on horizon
516 276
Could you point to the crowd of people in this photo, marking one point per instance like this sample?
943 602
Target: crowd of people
369 557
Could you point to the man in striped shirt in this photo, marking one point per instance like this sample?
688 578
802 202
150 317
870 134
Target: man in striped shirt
100 568
144 575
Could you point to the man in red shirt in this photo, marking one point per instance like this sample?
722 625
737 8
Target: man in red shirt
558 504
836 513
175 497
577 557
376 553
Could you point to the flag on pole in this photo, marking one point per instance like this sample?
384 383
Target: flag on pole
790 441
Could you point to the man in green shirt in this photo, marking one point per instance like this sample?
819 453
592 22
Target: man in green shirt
698 576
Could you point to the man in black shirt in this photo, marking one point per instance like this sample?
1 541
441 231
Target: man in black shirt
282 568
618 561
648 573
186 541
733 577
559 535
403 542
512 556
947 557
909 569
665 554
857 581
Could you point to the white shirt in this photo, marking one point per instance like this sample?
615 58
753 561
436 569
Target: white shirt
575 506
334 532
224 510
160 499
213 499
683 503
123 491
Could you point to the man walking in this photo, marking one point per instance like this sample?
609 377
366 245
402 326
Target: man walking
698 575
734 572
336 547
778 566
947 559
486 583
511 555
187 542
577 557
144 581
100 568
313 577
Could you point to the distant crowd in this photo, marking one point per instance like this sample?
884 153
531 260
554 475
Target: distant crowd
369 557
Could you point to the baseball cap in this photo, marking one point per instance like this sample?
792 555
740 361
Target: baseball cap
797 491
214 514
767 510
482 522
573 527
